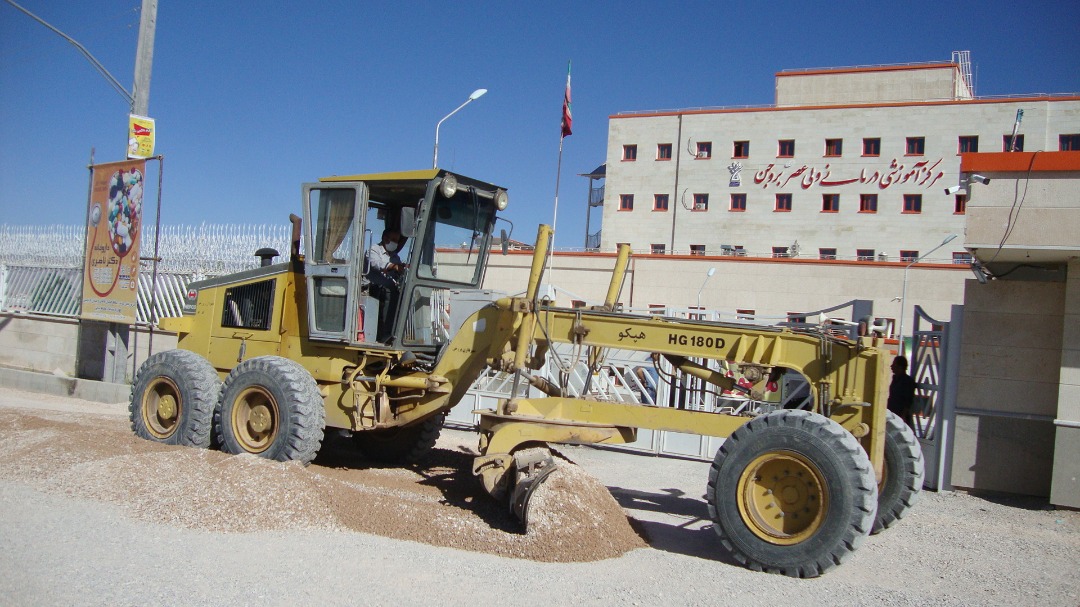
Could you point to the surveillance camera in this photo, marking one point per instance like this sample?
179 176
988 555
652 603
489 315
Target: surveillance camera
981 179
954 189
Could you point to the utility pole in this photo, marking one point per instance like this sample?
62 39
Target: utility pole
117 336
144 58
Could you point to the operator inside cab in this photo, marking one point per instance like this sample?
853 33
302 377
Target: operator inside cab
384 276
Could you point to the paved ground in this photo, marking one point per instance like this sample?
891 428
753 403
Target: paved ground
58 546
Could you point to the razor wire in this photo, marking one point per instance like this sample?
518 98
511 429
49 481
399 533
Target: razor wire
40 266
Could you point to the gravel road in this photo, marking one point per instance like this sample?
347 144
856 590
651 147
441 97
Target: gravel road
89 515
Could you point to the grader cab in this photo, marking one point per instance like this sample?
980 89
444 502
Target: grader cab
271 360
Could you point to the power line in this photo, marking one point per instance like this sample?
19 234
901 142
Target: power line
89 57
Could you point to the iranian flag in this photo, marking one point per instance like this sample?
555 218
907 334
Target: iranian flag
567 118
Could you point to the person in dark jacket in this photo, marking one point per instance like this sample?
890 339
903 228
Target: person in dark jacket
902 391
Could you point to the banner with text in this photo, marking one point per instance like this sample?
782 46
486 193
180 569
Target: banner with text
114 224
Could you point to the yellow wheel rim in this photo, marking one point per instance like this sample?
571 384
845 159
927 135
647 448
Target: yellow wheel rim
160 407
255 419
783 497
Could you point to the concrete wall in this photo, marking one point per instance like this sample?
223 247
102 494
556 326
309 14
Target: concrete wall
1066 487
1008 386
767 286
49 344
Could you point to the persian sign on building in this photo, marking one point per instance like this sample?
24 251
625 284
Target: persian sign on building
113 228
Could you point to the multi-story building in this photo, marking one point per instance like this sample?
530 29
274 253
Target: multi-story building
850 163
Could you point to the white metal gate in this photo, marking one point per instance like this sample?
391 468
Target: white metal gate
935 354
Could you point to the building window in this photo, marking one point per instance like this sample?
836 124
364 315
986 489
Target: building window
785 148
663 151
738 202
701 202
741 149
704 149
629 153
830 203
745 314
826 253
916 146
660 202
962 257
1018 145
913 203
780 252
626 202
834 147
864 254
577 303
1069 143
960 204
658 309
739 250
783 202
697 249
657 249
868 203
969 143
797 318
619 245
871 146
908 255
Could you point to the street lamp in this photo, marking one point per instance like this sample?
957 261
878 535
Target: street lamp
708 275
478 93
903 295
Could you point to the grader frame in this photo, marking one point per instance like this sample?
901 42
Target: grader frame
791 491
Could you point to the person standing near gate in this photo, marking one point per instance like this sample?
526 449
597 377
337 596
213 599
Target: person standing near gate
902 391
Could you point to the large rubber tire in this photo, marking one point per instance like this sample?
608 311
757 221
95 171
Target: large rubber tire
400 445
904 472
173 397
791 492
271 407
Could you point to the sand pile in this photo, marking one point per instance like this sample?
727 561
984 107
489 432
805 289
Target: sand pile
573 516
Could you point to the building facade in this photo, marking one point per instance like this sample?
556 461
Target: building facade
849 164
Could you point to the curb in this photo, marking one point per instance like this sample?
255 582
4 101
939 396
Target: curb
86 389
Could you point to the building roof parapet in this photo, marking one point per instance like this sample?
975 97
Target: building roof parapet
839 104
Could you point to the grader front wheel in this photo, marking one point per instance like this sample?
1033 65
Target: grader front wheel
904 471
791 492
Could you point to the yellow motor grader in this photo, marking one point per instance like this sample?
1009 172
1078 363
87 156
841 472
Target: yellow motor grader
272 359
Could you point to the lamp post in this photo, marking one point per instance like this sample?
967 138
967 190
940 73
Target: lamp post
708 275
478 93
903 295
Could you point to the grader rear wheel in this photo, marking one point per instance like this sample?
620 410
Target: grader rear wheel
902 480
270 407
173 397
791 492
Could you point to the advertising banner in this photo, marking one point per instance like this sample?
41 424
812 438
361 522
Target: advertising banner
140 136
114 225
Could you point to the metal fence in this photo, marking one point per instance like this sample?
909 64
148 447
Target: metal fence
40 266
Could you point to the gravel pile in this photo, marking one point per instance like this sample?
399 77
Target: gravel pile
439 503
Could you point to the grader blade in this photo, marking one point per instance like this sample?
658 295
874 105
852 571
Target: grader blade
531 468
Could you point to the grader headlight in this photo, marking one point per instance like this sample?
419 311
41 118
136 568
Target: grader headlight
448 187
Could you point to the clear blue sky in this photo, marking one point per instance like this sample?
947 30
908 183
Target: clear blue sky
252 99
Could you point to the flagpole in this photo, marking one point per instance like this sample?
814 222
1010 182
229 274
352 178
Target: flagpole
555 215
564 130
